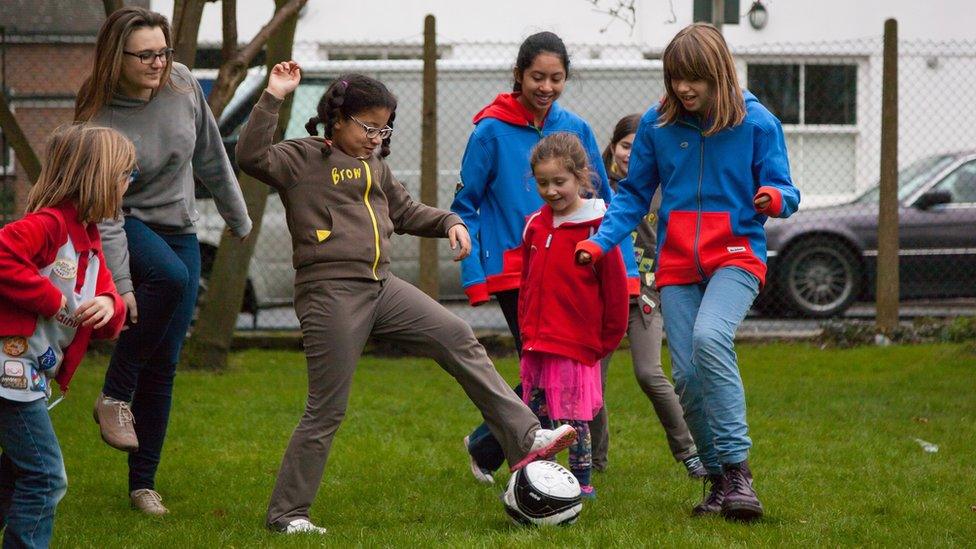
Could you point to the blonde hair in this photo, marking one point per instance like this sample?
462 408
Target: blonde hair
102 83
565 147
85 164
699 52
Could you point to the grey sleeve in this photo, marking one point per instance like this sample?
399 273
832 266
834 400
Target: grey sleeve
115 247
211 165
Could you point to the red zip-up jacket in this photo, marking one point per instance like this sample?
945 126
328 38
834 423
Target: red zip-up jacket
32 243
571 310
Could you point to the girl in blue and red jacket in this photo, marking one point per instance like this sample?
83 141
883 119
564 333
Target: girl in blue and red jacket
719 158
55 295
570 316
496 194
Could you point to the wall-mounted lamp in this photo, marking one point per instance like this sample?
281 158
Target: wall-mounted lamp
758 16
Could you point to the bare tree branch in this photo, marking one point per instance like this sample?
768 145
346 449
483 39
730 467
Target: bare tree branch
622 10
229 23
233 70
186 28
14 135
112 5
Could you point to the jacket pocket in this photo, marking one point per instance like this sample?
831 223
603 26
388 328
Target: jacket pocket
718 245
677 255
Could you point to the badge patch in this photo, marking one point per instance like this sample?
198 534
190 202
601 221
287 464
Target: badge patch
65 268
322 234
48 360
15 346
38 382
736 249
13 368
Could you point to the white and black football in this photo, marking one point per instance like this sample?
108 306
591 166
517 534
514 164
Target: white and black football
543 493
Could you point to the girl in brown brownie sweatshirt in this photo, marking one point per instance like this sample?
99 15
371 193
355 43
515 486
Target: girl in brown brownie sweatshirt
342 204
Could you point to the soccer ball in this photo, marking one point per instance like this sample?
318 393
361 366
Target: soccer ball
543 493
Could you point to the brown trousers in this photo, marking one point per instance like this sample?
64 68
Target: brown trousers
337 316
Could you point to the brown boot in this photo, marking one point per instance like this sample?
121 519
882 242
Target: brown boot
711 503
115 421
148 501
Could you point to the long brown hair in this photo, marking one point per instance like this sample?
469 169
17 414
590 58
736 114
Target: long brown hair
566 148
103 81
85 164
699 52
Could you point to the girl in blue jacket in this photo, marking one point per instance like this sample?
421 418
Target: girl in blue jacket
496 193
720 160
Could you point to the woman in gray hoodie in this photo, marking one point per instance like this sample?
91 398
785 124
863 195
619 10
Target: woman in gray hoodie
153 252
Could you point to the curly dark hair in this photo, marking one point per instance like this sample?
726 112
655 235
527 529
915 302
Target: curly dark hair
348 96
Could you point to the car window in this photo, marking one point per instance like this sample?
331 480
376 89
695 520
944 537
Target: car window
911 177
961 184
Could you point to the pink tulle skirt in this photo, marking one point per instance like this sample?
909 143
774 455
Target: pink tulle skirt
573 389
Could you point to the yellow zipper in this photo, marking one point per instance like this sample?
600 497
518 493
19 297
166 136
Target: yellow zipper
372 217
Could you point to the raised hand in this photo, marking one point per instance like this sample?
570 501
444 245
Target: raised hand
284 79
96 312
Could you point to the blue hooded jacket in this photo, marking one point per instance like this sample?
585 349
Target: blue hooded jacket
707 219
497 192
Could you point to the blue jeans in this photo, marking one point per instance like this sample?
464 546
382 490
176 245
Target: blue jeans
700 321
165 271
32 477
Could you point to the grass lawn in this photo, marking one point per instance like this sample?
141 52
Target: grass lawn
834 454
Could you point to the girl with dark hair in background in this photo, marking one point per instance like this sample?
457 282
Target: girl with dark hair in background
645 324
496 193
153 252
342 204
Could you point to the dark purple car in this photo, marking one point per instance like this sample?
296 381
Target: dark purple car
823 259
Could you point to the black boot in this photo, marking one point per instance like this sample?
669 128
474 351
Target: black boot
740 501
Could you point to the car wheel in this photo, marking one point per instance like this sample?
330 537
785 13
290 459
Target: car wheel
819 278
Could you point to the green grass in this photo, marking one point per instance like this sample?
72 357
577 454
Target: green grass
834 455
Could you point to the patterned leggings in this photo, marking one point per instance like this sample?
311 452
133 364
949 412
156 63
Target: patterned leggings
581 452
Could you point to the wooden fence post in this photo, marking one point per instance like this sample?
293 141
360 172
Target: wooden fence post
887 283
429 279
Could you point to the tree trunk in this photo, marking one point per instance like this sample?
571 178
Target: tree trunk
111 6
18 141
210 343
186 28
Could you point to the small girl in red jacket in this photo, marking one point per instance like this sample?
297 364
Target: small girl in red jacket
55 294
570 316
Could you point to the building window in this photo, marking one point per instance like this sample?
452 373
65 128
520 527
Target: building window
806 94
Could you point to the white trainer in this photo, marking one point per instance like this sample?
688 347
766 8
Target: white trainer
481 475
547 443
303 526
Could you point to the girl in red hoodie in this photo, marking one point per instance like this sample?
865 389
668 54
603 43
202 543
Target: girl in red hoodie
55 294
570 316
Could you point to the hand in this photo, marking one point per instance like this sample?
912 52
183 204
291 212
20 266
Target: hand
284 79
460 241
583 258
129 299
96 312
762 201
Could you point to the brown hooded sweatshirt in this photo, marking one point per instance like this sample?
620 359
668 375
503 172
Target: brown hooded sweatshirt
340 210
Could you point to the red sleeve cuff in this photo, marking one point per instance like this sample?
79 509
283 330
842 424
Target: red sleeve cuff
590 247
633 286
775 206
477 294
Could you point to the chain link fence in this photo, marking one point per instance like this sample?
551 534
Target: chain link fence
828 96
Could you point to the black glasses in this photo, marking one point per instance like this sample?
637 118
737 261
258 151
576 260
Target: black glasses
150 57
373 133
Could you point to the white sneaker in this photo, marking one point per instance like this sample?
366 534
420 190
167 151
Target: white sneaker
303 526
547 443
481 475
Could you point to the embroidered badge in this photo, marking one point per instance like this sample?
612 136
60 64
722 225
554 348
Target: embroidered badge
322 234
13 368
65 268
48 360
38 382
15 346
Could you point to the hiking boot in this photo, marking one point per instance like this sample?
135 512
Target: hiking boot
481 474
115 421
148 501
741 502
695 468
547 443
303 526
711 503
